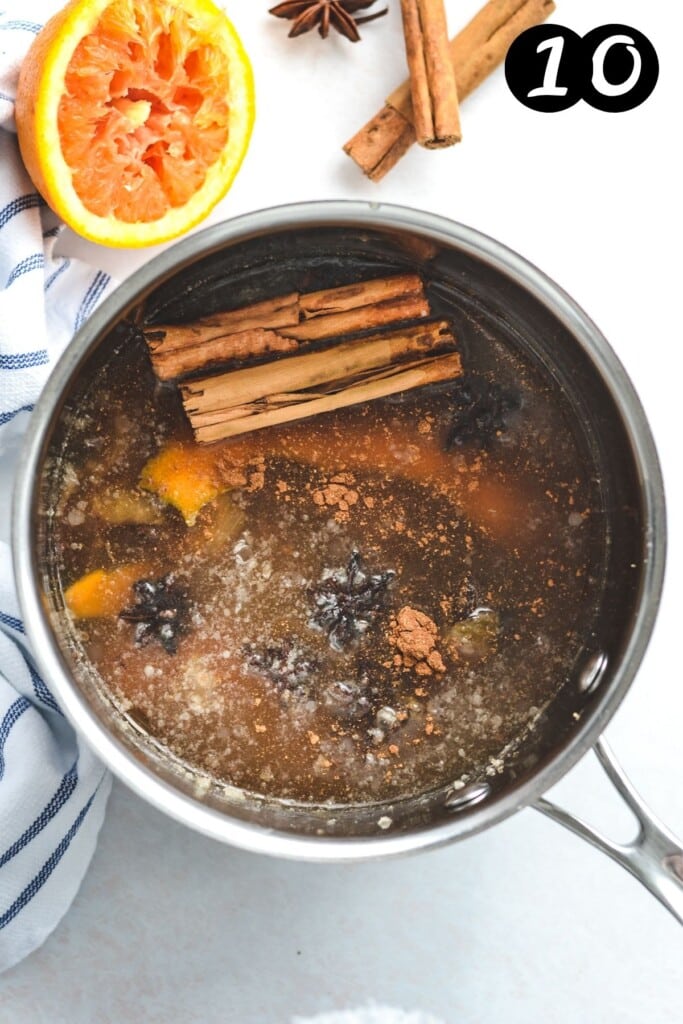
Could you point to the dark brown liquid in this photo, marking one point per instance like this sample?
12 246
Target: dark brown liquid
262 696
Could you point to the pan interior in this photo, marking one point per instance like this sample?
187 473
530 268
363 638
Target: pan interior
495 320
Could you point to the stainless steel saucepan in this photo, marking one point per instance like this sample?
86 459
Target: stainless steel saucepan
512 298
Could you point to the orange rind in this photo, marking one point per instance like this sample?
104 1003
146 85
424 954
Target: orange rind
133 118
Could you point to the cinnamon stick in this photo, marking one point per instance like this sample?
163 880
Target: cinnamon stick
434 96
418 374
363 293
284 323
364 318
305 385
288 398
475 52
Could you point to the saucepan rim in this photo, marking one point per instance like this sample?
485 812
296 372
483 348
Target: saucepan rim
52 664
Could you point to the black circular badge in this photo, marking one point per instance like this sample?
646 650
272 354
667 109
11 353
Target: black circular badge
622 68
613 68
546 68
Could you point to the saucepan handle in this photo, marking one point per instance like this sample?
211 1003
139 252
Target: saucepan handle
654 857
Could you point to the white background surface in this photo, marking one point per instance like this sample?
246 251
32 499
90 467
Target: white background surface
523 923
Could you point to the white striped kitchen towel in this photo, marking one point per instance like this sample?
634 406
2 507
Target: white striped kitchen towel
53 791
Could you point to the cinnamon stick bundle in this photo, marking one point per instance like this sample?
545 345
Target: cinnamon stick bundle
475 52
284 324
289 389
434 96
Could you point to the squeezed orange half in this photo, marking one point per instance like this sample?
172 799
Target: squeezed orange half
134 117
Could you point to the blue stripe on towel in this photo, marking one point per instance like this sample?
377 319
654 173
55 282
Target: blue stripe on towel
40 689
34 262
5 417
57 801
23 360
60 270
12 622
18 205
12 716
36 884
22 26
97 286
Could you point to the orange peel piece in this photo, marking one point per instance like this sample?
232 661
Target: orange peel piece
184 475
103 592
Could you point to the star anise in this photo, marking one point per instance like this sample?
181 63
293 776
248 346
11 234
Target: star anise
159 612
338 14
285 664
481 409
346 601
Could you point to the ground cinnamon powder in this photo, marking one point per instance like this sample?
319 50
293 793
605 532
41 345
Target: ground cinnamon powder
414 635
